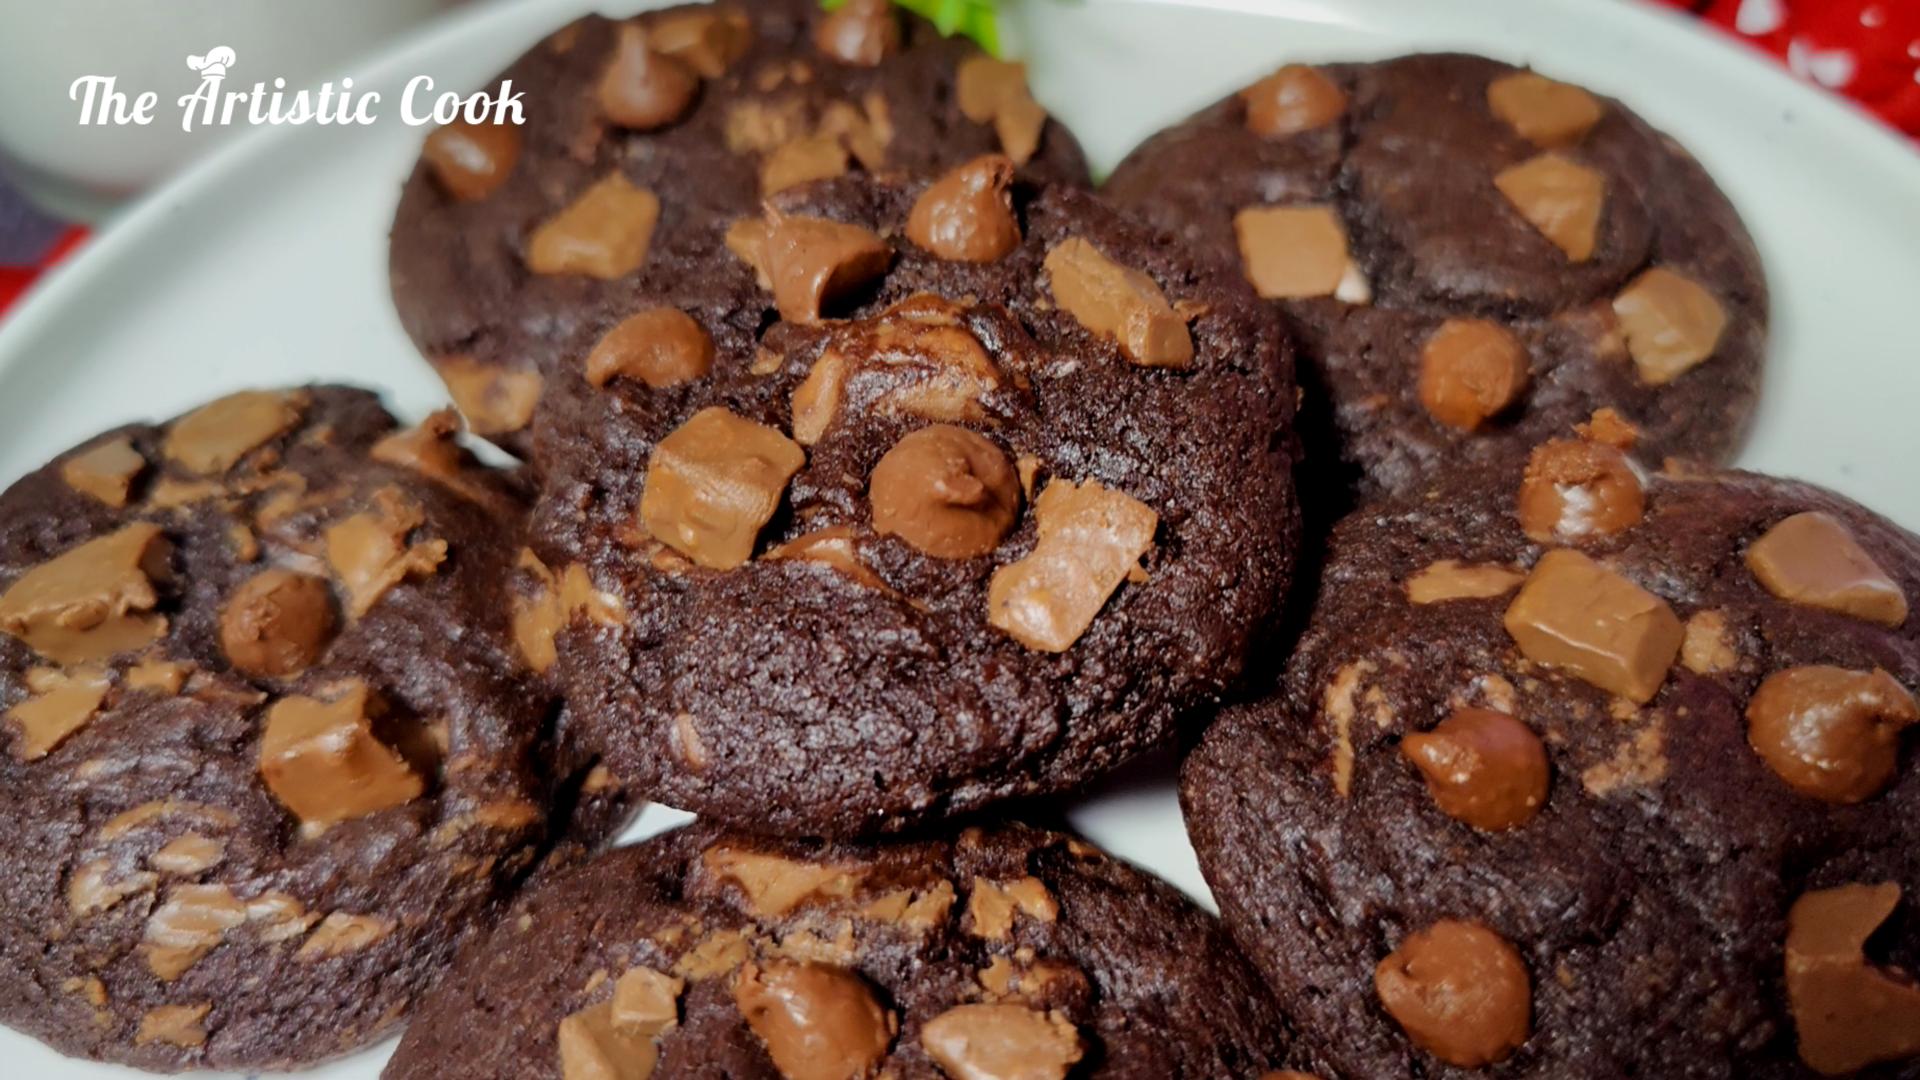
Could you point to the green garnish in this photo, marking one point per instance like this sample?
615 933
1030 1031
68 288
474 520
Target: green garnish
970 18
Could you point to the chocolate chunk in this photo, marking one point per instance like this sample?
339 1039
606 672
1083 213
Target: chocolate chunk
708 40
923 361
775 885
1471 370
1483 767
1812 559
61 705
1576 615
812 261
1848 1013
993 905
371 553
1574 489
713 483
1672 324
947 491
1091 539
641 88
471 161
1547 113
213 438
995 91
967 214
1002 1042
1119 302
859 32
593 1047
1560 197
1459 991
93 601
1451 579
660 346
493 400
106 471
322 760
1292 252
817 1022
277 623
1294 99
604 233
1831 733
803 160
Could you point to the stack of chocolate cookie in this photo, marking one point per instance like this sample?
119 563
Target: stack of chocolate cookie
877 474
1588 759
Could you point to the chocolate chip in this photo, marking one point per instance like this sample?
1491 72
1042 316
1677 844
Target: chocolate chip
659 346
947 491
1119 302
604 233
277 623
322 760
494 400
641 88
1002 1042
213 438
1831 733
1482 767
995 91
1471 370
713 483
1671 324
817 1022
1560 197
94 600
1577 615
106 471
1848 1013
1574 489
1812 559
1544 112
1459 991
1294 99
860 32
809 262
1293 252
471 161
967 214
1090 540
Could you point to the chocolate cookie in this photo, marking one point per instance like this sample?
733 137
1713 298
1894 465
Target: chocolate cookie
1476 257
514 248
1003 953
269 745
986 532
1615 785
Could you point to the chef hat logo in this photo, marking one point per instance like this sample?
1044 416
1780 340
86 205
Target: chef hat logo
214 65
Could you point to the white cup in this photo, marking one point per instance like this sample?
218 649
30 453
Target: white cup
82 170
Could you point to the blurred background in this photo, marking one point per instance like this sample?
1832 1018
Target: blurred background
59 180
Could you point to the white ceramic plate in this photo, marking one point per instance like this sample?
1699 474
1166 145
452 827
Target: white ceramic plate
267 263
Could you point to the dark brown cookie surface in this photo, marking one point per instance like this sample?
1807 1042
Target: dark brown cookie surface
1477 259
513 248
1009 952
948 546
1647 785
270 748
